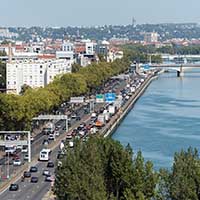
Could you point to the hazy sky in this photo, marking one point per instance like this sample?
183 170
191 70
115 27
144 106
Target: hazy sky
96 12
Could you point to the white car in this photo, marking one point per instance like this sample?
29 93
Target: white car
24 149
51 137
19 147
71 144
46 172
17 162
56 133
26 157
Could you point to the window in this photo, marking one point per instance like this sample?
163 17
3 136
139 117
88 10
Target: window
40 72
40 66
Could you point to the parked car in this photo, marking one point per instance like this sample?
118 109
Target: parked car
24 149
17 162
26 157
14 187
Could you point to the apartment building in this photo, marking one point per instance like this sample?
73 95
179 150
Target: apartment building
35 73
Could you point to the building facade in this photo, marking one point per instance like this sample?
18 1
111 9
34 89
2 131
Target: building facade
34 73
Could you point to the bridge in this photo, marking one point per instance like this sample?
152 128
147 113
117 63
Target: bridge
180 68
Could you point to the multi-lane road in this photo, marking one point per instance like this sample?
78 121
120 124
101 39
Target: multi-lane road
33 191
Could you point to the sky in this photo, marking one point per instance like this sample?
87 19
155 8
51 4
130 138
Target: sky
57 13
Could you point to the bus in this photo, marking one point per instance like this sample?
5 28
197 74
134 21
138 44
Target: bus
45 155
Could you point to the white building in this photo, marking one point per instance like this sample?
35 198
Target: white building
67 52
35 73
151 37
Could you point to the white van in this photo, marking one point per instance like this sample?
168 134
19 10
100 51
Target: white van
45 154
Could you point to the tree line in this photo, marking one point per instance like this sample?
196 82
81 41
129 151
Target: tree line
142 52
102 169
17 111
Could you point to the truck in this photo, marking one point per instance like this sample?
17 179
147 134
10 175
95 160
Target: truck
100 121
111 109
106 115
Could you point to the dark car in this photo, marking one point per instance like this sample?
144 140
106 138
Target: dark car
34 179
33 169
27 174
14 187
50 164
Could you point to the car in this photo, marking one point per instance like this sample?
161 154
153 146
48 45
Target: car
26 157
24 149
71 144
32 138
33 169
74 116
46 172
57 133
49 178
34 179
51 137
19 147
45 142
50 164
17 162
14 187
27 174
69 136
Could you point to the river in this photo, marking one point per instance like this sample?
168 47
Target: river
165 119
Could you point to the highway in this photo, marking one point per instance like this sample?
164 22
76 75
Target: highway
35 191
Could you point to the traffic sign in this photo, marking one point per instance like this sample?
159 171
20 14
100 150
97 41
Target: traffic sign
99 98
110 97
76 99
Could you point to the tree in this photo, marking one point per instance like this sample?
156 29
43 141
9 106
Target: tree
24 88
75 67
185 176
102 168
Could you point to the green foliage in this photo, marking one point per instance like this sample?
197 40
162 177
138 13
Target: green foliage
185 176
2 75
16 112
75 67
103 169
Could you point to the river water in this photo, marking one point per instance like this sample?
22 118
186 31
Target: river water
165 119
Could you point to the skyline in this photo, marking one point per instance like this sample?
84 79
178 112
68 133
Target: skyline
89 13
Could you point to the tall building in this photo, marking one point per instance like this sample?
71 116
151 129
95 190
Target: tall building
35 73
151 37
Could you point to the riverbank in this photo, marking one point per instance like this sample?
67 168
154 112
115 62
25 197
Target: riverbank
121 114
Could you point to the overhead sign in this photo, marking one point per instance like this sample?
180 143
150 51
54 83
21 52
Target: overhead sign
146 66
76 99
99 98
110 97
14 142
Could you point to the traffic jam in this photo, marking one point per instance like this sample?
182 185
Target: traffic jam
85 116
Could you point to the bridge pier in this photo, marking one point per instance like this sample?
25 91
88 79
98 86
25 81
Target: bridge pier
181 72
